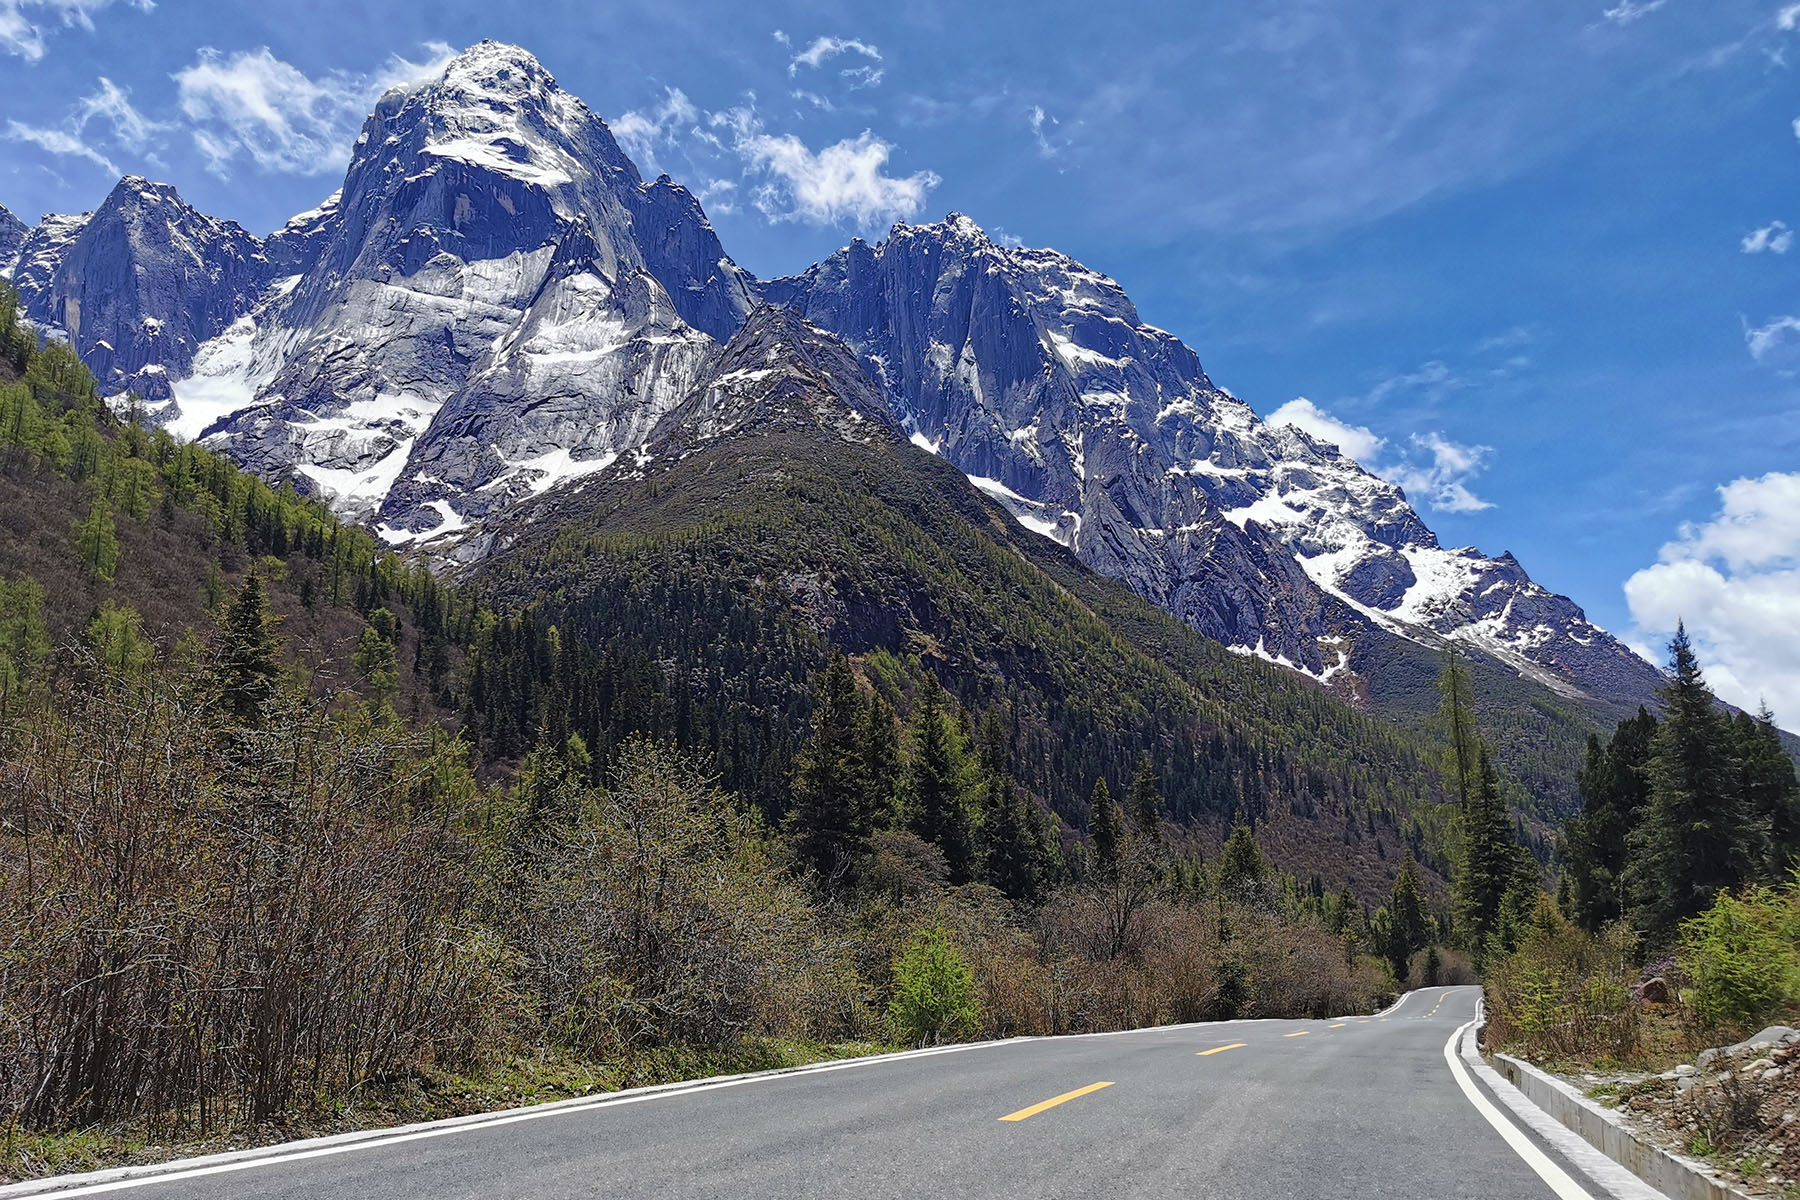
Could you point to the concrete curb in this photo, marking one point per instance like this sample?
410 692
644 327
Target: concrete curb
1676 1176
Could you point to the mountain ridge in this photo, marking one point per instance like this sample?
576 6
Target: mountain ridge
497 304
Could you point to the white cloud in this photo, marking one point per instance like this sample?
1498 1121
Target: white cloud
861 77
1429 466
1775 238
844 182
1439 470
1433 380
1735 581
1515 338
1788 19
1776 343
111 105
59 141
1627 11
23 22
642 132
824 49
1037 118
1357 441
254 106
719 196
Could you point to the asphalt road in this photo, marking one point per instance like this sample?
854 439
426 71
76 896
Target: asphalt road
1358 1107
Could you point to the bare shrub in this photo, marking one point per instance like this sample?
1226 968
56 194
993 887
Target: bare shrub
205 920
659 918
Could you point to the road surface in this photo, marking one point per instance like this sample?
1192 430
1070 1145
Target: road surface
1356 1107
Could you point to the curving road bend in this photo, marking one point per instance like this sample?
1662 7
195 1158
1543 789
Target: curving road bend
1246 1110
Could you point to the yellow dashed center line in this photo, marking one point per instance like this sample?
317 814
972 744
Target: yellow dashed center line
1339 1025
1222 1049
1297 1033
1035 1109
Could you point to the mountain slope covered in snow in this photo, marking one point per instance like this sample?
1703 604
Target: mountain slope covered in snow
495 304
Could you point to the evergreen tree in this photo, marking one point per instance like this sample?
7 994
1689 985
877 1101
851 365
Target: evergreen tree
116 637
1106 828
937 778
1770 789
249 663
1697 838
1490 855
377 660
883 768
96 540
829 818
1615 789
24 638
1408 918
1146 801
1456 720
1242 868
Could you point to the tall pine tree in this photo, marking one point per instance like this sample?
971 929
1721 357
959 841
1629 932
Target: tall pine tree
1770 789
1456 721
1106 828
1407 919
1615 790
1146 801
1697 838
248 666
937 783
1490 855
830 816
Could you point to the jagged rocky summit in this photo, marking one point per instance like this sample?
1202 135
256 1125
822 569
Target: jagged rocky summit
496 304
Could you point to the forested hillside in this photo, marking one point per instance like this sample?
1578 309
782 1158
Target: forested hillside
366 848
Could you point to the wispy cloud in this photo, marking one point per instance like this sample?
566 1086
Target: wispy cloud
109 106
1431 382
24 24
1774 343
1041 124
824 49
1430 467
1627 11
1516 338
59 142
1773 238
1441 470
252 106
1735 580
644 132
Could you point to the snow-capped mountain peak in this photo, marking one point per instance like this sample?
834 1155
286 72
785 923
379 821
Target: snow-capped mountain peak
1036 376
496 304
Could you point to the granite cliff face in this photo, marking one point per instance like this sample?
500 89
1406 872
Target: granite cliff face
1036 376
495 304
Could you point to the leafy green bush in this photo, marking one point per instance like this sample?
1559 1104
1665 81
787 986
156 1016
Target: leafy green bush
1744 956
934 990
1564 993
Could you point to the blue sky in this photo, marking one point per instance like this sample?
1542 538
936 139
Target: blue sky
1535 259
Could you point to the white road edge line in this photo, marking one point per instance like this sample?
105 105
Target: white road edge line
1553 1175
1600 1169
118 1179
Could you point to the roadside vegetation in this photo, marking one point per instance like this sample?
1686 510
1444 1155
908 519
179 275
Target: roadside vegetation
276 859
1674 935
